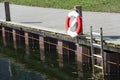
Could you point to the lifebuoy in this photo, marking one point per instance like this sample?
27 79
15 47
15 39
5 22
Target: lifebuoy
77 21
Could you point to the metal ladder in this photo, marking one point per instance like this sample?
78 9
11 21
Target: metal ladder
94 56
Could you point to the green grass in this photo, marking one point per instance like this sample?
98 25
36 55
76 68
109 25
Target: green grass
87 5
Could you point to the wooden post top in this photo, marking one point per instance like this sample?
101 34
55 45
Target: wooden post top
78 9
7 11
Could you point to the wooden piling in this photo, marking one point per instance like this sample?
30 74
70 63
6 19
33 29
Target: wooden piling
14 39
60 52
27 43
114 63
41 46
79 10
7 11
79 60
3 35
66 52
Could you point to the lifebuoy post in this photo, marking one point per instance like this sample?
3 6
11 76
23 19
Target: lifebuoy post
75 23
79 10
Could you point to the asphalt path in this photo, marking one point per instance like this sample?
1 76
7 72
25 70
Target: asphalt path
54 20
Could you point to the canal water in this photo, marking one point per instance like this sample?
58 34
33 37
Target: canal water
9 70
16 65
22 64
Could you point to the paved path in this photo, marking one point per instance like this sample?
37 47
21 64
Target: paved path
54 20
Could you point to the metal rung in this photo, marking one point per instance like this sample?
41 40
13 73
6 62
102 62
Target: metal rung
96 33
100 67
98 45
88 37
99 56
92 38
97 39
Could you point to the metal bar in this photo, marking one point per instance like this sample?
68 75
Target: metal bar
113 63
97 45
99 56
102 53
100 67
86 55
8 31
92 50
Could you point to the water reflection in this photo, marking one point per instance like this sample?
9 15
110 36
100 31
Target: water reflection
50 67
4 69
13 71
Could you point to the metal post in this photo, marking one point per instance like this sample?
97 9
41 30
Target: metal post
92 50
7 11
102 53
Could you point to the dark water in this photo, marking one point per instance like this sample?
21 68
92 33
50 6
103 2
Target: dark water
19 67
4 69
35 69
14 71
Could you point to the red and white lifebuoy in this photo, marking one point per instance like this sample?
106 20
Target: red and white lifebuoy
77 21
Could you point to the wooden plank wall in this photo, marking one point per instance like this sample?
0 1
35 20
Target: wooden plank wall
65 52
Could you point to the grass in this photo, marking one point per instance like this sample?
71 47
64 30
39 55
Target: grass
87 5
